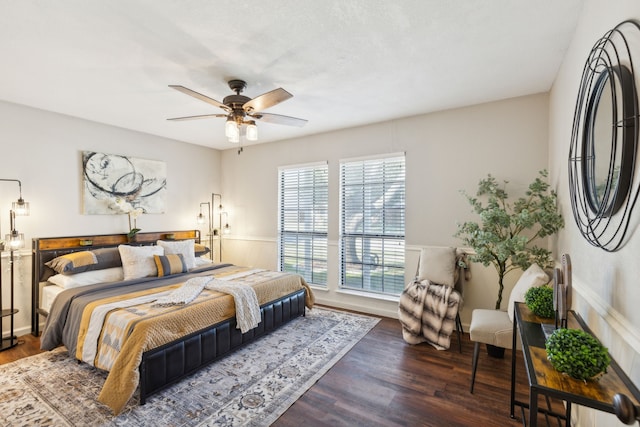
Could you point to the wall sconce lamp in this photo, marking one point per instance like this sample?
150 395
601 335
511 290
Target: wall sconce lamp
13 241
210 210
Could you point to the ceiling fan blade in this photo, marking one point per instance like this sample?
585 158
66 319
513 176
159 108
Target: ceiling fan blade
278 119
266 100
200 96
204 116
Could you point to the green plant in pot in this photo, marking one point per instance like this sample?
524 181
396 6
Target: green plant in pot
507 232
577 353
539 299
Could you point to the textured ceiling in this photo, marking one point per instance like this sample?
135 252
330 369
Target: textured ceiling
347 62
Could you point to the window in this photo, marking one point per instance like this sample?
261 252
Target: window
372 215
302 212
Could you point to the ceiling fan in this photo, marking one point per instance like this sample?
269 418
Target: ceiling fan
242 110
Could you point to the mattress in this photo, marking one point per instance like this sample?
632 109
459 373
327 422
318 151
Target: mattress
48 294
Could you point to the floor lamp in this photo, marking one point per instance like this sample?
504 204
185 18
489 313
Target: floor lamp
220 229
202 219
13 241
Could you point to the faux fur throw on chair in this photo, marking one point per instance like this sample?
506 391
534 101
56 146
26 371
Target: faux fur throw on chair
427 312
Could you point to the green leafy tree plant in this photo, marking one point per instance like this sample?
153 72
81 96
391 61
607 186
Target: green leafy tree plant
507 232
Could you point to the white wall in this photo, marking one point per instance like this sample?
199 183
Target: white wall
445 152
43 150
606 284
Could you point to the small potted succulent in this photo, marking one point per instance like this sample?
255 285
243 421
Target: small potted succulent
577 353
539 299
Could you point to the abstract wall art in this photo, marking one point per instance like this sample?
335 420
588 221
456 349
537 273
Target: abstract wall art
112 181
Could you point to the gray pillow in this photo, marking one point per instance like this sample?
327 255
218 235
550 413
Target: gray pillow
438 265
79 262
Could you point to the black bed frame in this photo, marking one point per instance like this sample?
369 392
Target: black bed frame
168 364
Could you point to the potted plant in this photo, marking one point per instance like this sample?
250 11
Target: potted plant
539 299
133 230
122 206
506 234
577 353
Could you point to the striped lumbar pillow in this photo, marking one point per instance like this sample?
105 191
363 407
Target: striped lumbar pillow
170 264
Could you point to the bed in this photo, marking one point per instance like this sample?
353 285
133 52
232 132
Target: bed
111 317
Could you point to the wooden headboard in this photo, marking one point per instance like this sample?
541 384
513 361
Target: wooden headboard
44 249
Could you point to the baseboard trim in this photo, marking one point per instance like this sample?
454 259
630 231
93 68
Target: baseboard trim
377 311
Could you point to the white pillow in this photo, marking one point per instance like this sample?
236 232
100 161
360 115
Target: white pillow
184 247
533 276
202 261
438 265
66 281
137 261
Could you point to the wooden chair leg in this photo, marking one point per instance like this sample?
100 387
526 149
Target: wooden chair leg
476 352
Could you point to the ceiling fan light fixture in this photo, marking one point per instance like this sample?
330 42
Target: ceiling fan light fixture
252 131
237 107
235 138
230 128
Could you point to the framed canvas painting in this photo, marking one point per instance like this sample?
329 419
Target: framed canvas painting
116 184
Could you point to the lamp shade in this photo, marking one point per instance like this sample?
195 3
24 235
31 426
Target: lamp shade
235 138
201 218
21 208
252 131
230 127
14 241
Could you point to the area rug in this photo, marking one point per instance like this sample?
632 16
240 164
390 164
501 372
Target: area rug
252 386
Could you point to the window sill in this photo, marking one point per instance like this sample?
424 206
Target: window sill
371 295
364 294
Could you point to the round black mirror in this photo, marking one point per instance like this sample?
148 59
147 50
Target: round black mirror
608 145
604 140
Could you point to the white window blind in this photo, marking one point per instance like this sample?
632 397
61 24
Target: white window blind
302 212
372 221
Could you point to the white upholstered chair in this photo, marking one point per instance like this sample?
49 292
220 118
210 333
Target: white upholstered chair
495 327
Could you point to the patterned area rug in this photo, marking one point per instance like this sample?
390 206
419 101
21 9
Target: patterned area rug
252 386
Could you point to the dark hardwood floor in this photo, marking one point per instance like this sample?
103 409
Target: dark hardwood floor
383 381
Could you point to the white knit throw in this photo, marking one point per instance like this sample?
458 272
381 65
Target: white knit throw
247 307
185 293
244 296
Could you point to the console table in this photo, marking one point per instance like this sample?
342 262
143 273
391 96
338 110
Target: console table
545 380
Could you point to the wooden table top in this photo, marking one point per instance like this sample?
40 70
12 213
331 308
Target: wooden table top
596 393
